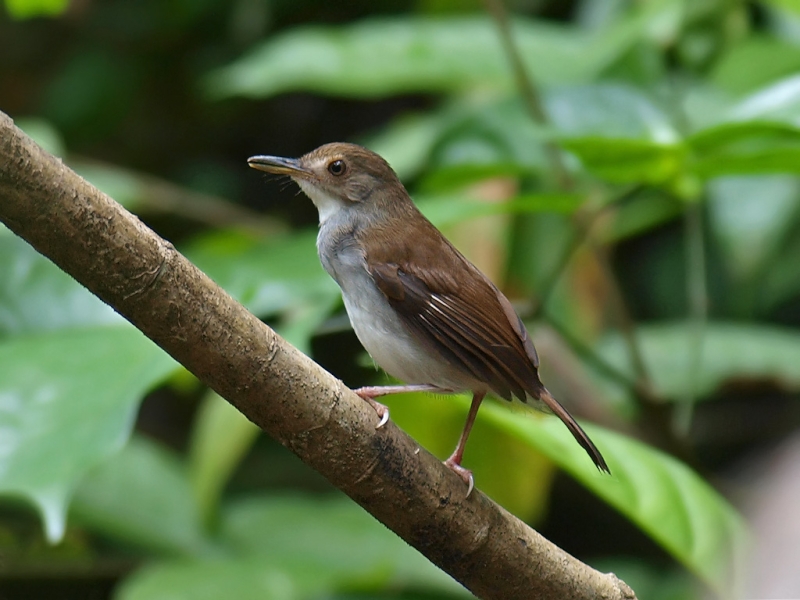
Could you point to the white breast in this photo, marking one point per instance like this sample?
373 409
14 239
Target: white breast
378 328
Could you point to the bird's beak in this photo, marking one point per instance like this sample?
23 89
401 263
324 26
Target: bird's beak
279 165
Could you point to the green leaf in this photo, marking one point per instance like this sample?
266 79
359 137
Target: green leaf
142 496
445 210
37 296
740 133
729 352
662 496
750 218
245 579
648 209
267 275
43 133
779 101
123 186
764 159
295 547
331 532
623 160
68 401
28 9
381 57
755 62
512 473
608 111
221 436
407 142
744 147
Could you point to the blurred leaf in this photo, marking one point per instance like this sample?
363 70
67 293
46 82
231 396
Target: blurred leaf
781 282
37 296
28 9
647 210
744 160
662 496
750 218
483 138
609 111
731 134
43 133
220 438
512 473
789 5
445 210
68 401
245 579
777 102
266 275
118 183
333 532
623 160
406 143
756 61
731 352
651 580
142 496
375 58
742 147
295 547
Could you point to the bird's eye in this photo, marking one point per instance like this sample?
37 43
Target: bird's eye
337 167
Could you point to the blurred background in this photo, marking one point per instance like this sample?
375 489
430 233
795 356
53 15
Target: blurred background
626 171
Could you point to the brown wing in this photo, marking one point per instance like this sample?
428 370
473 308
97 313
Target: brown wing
465 318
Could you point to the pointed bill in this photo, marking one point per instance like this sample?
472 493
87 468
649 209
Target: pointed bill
278 165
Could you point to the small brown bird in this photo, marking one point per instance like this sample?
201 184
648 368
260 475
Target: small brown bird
423 312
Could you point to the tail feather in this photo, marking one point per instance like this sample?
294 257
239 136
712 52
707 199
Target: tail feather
575 429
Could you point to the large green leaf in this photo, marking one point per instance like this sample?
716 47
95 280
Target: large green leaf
37 296
28 9
294 547
68 401
623 160
729 352
511 472
268 276
380 57
662 496
751 217
610 111
757 61
142 496
245 579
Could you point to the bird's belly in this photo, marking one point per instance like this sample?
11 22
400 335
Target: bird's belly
392 346
390 343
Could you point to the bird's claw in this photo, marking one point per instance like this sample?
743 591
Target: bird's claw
383 413
464 474
381 409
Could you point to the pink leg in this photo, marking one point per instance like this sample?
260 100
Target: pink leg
370 393
454 462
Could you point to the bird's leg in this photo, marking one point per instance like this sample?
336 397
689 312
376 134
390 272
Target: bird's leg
370 393
454 462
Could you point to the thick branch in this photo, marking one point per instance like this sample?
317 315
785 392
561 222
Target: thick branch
310 412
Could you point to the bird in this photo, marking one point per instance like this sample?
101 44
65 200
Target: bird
423 312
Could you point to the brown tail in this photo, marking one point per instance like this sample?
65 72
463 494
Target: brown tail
575 429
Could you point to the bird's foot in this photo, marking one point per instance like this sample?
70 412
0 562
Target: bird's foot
465 474
382 410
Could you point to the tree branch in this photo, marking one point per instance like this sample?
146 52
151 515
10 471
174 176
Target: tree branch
290 397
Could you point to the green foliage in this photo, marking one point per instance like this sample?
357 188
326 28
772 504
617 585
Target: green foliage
26 9
662 114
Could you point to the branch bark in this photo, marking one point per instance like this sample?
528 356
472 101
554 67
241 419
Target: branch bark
290 397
